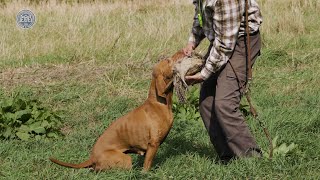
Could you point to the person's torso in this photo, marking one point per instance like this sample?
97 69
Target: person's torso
209 8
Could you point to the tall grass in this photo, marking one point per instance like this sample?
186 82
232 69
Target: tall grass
98 31
94 30
93 61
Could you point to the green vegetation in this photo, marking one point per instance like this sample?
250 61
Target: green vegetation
26 118
93 61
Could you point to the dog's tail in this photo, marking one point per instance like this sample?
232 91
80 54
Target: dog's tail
85 164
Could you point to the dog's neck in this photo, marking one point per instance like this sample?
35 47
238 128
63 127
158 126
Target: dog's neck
153 95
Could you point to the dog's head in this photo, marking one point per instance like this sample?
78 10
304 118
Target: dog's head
163 74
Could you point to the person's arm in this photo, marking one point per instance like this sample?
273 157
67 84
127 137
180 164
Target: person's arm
226 23
197 34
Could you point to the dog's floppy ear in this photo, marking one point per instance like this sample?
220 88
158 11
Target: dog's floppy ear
161 86
168 87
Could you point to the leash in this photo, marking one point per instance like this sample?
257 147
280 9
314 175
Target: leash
249 79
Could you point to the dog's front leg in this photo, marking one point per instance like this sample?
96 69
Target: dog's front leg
150 154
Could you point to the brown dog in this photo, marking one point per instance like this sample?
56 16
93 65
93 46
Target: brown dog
141 131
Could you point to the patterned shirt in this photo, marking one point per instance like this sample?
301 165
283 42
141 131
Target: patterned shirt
223 23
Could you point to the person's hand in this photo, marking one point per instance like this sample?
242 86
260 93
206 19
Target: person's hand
194 79
189 48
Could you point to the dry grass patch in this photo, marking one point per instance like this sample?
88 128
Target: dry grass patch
107 32
117 79
42 75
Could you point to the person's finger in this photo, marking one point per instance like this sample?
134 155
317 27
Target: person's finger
189 78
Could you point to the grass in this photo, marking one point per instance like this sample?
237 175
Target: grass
93 61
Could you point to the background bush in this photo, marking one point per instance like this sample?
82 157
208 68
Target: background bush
24 119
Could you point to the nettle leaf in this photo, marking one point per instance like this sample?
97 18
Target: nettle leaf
9 117
23 136
7 132
30 121
292 146
283 149
35 104
37 128
24 128
36 113
19 104
23 115
45 124
7 105
52 135
38 137
46 115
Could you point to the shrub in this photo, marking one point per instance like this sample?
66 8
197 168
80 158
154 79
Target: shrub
24 119
189 110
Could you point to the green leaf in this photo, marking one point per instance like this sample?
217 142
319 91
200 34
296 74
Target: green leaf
282 149
39 130
38 137
19 104
46 115
292 146
7 133
52 135
9 117
26 118
23 115
23 136
197 115
24 128
35 125
36 113
7 105
30 121
45 124
274 141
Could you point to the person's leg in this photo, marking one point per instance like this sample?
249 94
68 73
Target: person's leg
227 100
209 118
222 132
206 100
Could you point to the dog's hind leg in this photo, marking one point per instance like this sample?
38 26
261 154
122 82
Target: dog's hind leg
113 160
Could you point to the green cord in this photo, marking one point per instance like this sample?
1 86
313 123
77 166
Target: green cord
200 13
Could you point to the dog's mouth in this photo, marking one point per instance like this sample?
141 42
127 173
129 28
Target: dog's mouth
186 66
181 68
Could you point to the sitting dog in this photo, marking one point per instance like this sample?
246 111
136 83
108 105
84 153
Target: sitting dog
141 131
